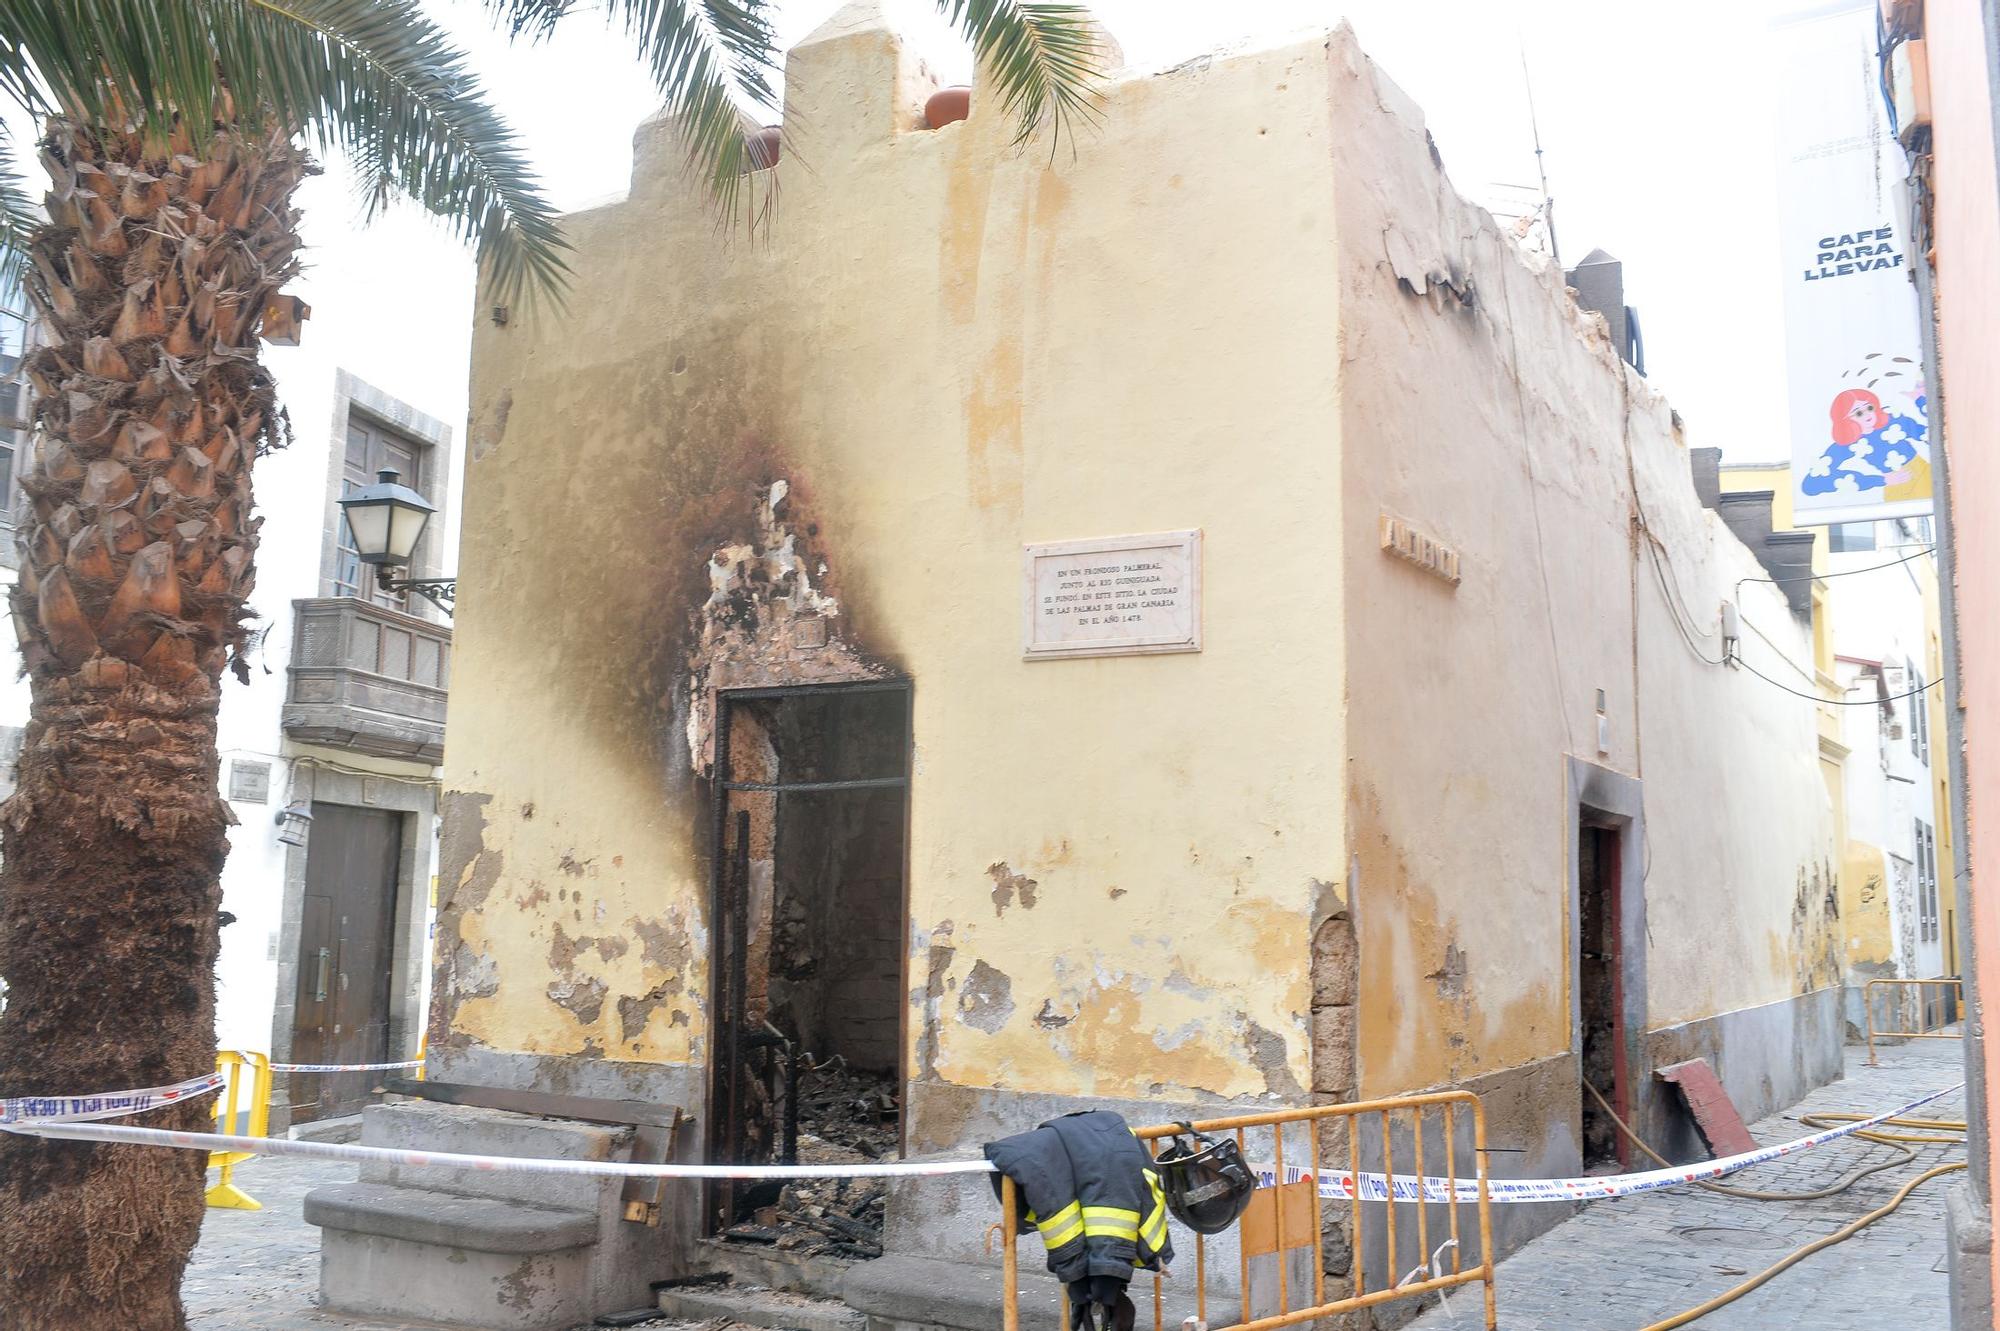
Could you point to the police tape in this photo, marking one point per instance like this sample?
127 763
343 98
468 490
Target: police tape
214 1141
109 1104
345 1067
1339 1186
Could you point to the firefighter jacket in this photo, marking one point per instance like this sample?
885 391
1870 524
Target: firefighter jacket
1089 1187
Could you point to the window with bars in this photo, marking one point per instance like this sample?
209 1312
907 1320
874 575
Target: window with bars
371 448
1920 716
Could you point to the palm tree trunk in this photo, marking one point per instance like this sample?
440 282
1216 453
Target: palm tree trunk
136 542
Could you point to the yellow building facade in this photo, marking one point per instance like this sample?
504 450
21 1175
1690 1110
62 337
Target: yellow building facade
1158 627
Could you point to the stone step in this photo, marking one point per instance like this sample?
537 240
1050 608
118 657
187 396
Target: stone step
899 1292
754 1305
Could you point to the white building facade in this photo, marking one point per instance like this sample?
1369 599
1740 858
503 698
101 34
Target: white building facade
326 938
1885 652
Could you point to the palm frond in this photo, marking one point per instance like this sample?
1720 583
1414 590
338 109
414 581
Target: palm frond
1046 58
19 216
373 78
378 80
714 62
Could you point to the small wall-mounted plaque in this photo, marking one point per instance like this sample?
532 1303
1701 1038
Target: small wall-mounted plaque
249 783
1118 596
1405 542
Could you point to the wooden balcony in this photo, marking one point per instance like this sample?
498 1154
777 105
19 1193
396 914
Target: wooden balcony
367 678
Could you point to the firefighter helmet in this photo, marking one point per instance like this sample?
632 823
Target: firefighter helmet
1205 1180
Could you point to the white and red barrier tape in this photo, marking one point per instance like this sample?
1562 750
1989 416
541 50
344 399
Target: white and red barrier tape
345 1067
1336 1185
111 1104
1340 1186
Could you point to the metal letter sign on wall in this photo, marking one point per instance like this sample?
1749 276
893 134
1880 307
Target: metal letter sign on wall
1859 409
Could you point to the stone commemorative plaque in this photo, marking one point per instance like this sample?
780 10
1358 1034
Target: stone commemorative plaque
1118 596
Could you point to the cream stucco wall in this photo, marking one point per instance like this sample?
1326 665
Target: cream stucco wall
1492 415
948 348
1207 317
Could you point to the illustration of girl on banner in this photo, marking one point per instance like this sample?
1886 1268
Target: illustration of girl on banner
1876 447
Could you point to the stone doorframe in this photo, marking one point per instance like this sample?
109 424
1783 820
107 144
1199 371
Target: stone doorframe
1600 797
414 797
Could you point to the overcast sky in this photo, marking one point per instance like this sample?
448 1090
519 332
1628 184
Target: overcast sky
1655 119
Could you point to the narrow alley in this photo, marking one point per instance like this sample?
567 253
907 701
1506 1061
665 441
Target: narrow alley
1637 1261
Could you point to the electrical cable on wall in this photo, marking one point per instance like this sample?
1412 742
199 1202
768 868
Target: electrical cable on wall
1737 659
1844 573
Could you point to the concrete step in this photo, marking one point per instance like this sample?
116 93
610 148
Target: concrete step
899 1292
755 1305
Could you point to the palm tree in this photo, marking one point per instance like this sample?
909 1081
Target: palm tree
174 133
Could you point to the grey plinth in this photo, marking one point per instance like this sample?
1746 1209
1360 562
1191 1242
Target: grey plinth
500 1251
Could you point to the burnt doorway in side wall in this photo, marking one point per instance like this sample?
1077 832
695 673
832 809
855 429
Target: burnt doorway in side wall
812 808
346 957
1600 987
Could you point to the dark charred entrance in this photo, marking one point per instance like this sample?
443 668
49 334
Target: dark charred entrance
813 789
1600 986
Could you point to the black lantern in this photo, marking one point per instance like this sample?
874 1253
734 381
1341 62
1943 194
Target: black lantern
386 520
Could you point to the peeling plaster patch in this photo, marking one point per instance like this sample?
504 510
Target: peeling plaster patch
661 946
1117 892
535 896
584 998
1327 900
987 999
1049 1019
573 866
634 1011
1007 885
1268 1053
931 1000
677 1018
472 872
475 975
1450 977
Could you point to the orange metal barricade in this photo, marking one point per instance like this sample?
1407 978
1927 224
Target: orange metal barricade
248 1092
1287 1219
1953 990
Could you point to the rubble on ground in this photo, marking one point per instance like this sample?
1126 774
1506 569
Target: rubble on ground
845 1118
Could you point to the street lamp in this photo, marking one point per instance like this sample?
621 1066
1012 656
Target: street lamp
386 520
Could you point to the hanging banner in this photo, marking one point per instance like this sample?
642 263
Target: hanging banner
1859 409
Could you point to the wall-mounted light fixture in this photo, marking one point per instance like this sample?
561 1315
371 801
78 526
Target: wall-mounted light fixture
293 821
386 520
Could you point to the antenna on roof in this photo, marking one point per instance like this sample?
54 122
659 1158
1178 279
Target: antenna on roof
1534 127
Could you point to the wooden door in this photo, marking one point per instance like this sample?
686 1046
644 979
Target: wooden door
346 957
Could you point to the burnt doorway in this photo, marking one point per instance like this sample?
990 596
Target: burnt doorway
346 957
1600 982
812 813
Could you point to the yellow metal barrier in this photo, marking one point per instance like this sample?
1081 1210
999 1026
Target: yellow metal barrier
1954 989
249 1076
1285 1219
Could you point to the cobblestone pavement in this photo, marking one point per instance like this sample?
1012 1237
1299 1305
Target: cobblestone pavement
1626 1264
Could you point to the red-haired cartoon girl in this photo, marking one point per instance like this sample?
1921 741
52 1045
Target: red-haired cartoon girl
1873 446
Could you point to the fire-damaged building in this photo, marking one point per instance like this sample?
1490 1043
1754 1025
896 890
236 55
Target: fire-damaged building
1200 618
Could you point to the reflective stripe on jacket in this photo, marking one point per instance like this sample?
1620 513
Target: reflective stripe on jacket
1088 1187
